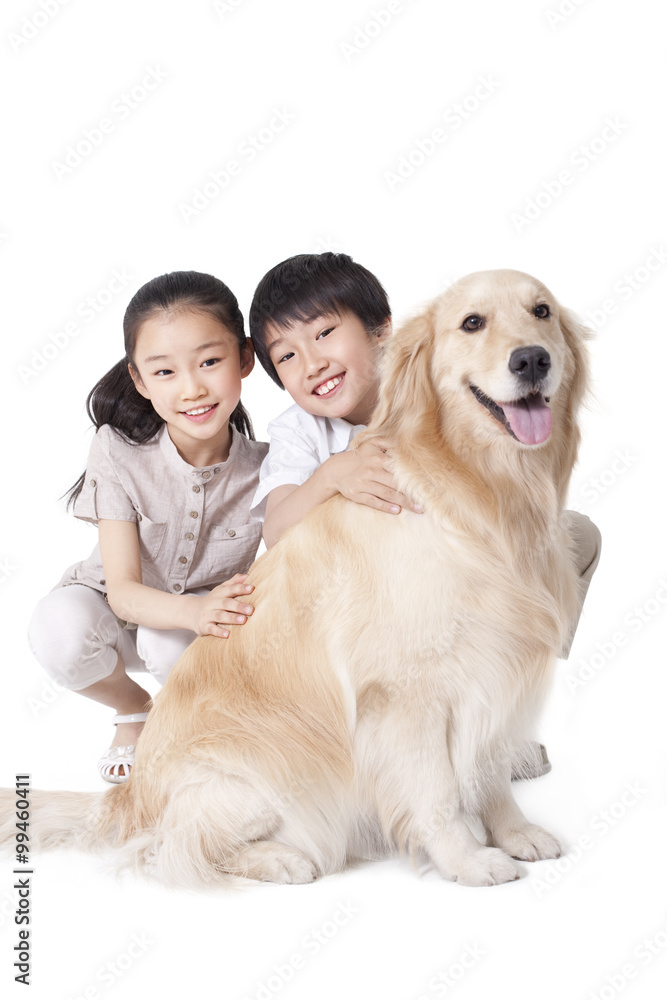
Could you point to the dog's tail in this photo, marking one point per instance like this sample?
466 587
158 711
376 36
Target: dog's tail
86 820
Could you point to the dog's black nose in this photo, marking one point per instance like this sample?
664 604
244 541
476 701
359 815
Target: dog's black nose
530 363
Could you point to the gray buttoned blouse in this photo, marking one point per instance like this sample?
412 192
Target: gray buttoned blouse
194 525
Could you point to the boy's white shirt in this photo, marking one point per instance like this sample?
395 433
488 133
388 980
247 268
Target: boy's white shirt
299 443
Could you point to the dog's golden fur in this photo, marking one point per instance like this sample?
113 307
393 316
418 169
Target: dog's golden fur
392 664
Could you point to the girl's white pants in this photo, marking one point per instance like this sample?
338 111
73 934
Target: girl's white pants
77 639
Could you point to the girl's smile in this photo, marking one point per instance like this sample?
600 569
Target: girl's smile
201 414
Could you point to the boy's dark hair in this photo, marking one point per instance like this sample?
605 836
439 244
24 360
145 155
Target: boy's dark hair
114 399
309 285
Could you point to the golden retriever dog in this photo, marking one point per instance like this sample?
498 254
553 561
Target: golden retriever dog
392 665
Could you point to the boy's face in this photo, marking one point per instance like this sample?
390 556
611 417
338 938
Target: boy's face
329 365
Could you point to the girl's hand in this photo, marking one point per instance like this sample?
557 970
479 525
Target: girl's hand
220 608
364 475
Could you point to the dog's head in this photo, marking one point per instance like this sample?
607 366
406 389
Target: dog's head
495 363
495 340
502 339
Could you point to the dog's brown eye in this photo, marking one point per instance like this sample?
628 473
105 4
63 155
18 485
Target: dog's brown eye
542 312
472 323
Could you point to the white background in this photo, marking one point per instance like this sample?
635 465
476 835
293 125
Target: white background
360 99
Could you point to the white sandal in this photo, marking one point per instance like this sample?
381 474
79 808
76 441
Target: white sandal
116 758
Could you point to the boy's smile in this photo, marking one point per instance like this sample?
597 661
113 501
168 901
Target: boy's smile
329 365
327 388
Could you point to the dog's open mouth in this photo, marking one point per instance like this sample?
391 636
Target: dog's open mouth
529 420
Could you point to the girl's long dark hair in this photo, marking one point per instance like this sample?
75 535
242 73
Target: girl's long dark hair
115 400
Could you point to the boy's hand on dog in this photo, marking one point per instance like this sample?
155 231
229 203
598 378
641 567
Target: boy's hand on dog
365 475
220 608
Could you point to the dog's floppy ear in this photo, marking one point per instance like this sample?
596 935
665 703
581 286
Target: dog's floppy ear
576 335
406 393
577 375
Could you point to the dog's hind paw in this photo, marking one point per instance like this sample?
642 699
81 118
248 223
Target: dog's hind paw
270 861
529 843
488 866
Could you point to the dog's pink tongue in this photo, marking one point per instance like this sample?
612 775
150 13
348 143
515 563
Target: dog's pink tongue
530 419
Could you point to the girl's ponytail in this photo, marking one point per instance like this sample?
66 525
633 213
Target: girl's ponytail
240 419
115 400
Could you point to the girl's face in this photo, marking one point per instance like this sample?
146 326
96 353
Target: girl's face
190 367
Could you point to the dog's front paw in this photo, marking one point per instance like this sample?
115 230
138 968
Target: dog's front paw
270 861
529 843
488 866
289 868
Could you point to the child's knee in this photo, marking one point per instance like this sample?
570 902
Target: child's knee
587 542
73 637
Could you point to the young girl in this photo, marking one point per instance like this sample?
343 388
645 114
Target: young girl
171 472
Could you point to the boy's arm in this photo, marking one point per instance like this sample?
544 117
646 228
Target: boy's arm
285 505
363 475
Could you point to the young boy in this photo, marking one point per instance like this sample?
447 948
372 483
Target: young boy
317 322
